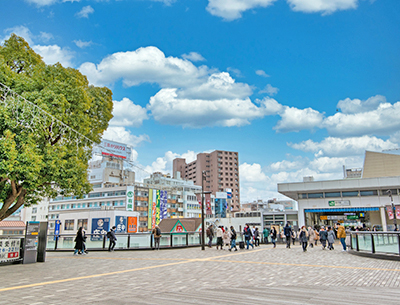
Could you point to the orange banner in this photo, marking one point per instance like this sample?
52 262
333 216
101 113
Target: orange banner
132 225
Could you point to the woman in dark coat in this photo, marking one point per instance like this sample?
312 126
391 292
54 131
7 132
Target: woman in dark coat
79 242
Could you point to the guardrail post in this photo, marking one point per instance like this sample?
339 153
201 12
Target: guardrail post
398 241
357 247
151 241
56 243
187 239
172 237
129 241
373 243
104 241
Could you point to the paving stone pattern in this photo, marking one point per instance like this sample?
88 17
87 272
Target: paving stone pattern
191 276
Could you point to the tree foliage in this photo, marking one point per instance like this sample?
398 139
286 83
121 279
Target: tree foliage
43 159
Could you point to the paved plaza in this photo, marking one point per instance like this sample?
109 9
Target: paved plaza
191 276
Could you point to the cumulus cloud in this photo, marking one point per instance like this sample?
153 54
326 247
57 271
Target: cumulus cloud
53 53
352 146
233 9
145 65
42 2
193 56
121 134
269 90
85 11
323 6
349 106
126 113
294 119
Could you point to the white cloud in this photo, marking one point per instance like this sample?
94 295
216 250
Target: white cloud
21 31
120 134
193 56
294 119
323 6
233 9
269 90
83 44
85 11
168 108
166 2
126 113
252 173
53 53
262 73
45 37
352 146
235 72
145 65
349 106
286 165
42 2
381 121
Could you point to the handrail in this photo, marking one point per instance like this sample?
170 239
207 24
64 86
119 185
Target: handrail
375 242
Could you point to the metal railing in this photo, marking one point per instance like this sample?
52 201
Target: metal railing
375 242
125 241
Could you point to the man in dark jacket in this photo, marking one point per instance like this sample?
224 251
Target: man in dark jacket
247 236
112 237
323 237
210 235
287 230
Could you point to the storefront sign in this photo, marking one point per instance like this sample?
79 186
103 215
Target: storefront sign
389 210
132 224
333 203
130 198
100 227
352 217
120 223
9 249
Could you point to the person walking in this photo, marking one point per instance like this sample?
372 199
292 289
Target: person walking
341 234
273 236
210 235
79 242
303 237
112 237
287 231
247 236
157 236
266 234
331 238
220 242
226 237
323 237
256 238
233 239
293 236
311 236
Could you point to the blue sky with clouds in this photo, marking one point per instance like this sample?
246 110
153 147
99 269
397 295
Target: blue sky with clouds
297 87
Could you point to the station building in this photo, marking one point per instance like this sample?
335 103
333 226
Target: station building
356 200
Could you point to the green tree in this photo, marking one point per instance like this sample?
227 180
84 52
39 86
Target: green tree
38 156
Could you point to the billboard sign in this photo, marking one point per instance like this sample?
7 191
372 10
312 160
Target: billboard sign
120 223
100 226
9 249
132 224
130 198
114 149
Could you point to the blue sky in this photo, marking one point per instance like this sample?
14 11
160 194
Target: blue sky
297 87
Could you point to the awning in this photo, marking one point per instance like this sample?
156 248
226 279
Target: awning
341 210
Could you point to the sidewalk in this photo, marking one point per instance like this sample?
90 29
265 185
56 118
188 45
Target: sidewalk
192 276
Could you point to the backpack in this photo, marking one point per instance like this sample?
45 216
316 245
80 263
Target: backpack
233 235
158 231
109 234
208 232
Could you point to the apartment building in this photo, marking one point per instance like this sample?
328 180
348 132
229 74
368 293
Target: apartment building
222 174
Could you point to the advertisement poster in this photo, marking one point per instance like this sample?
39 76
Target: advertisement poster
389 210
154 210
130 198
57 229
208 207
165 207
120 223
100 227
9 249
158 207
132 224
150 209
114 149
397 211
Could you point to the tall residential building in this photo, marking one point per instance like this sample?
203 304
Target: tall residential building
222 173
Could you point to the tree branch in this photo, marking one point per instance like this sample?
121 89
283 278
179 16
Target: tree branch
16 206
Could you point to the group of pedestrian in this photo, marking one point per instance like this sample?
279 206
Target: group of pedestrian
80 239
225 237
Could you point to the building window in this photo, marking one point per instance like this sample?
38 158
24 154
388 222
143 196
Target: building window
83 223
350 194
332 194
34 210
315 195
69 224
369 193
33 218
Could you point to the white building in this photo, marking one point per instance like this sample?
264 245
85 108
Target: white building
351 201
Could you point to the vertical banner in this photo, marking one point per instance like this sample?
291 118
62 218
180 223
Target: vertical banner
158 207
57 229
150 209
132 224
164 199
100 226
120 223
153 211
161 205
389 210
130 198
208 207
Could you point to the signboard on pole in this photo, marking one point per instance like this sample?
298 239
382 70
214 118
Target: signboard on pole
57 229
130 198
100 227
150 209
132 224
397 211
114 149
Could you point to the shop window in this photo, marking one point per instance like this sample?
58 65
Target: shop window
83 223
69 224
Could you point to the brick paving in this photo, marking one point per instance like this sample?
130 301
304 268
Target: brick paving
191 276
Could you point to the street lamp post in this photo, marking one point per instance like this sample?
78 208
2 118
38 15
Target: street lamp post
203 176
393 208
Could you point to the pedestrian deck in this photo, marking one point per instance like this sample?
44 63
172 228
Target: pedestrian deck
191 276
